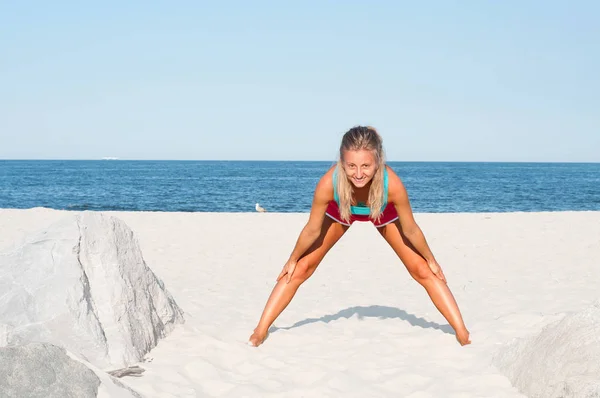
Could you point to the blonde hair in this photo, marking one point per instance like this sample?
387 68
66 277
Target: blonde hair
355 139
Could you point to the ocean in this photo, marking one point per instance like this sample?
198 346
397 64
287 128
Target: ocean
287 186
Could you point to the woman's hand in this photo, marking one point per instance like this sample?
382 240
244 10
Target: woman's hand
288 269
436 269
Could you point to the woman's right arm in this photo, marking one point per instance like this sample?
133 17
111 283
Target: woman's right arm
311 231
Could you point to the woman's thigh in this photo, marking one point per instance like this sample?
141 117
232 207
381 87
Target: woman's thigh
409 256
331 232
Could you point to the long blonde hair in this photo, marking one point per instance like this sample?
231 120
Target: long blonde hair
355 139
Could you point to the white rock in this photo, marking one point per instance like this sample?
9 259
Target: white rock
46 371
82 284
563 360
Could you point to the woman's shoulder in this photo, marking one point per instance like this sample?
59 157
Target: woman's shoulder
329 174
325 184
390 172
395 184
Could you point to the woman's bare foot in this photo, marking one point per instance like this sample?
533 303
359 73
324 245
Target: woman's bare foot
463 337
257 338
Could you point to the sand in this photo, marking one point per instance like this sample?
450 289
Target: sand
360 326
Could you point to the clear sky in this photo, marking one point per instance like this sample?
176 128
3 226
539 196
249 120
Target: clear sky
441 80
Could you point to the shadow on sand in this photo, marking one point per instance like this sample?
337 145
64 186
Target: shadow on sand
373 311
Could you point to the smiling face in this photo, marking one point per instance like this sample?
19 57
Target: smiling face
360 166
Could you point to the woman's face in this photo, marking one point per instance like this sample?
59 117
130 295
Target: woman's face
360 166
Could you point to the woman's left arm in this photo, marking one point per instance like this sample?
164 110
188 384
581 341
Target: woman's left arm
399 197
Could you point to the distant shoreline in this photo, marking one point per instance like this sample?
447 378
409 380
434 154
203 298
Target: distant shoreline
300 161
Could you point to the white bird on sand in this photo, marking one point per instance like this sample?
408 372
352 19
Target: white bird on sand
259 209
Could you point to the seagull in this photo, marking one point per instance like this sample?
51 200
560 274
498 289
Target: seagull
259 209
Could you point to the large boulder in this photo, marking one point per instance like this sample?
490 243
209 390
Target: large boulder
563 360
83 284
43 370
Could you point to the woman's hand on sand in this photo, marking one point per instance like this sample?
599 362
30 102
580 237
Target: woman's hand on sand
437 270
288 269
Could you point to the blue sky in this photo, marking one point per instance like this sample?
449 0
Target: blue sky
441 80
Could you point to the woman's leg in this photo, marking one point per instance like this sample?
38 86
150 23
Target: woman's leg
283 292
438 291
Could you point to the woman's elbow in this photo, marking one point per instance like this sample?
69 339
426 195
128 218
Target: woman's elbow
410 228
312 230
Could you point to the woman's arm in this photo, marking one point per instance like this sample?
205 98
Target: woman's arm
311 231
399 197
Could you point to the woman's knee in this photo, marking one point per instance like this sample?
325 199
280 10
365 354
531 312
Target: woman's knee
304 269
420 271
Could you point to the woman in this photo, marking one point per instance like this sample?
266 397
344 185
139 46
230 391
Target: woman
361 188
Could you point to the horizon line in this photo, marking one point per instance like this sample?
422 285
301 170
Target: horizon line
116 159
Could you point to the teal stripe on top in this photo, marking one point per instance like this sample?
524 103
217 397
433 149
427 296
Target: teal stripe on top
362 210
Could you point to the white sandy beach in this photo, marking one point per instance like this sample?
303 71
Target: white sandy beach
361 326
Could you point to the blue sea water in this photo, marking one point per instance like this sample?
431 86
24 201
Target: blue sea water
287 186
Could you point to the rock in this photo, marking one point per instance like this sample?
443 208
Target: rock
83 284
43 370
563 360
134 371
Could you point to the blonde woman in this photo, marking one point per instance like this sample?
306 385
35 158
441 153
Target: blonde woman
361 188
